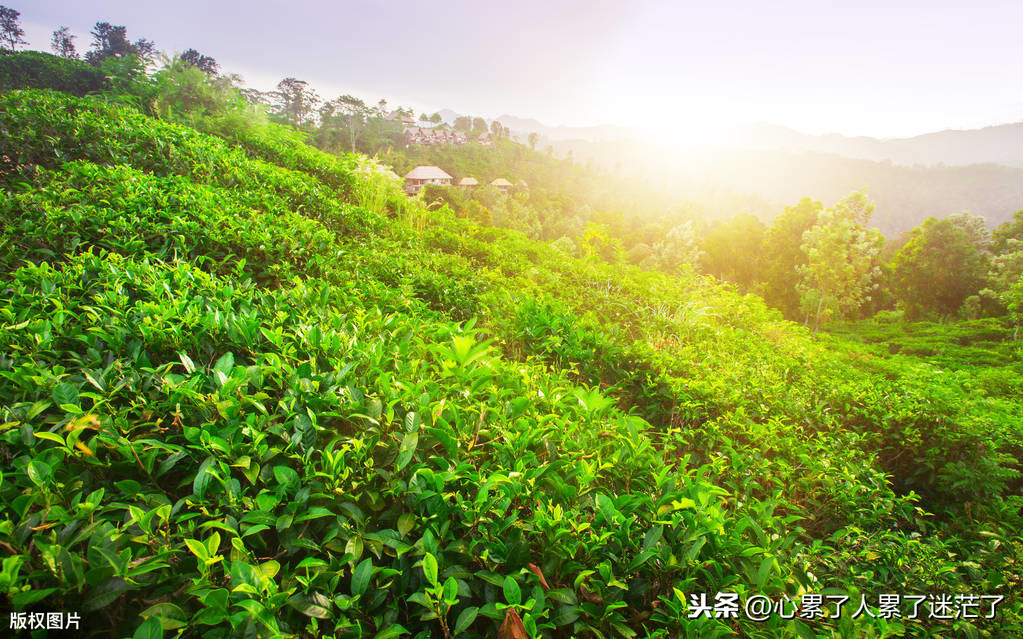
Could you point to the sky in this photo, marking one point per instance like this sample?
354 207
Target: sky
884 69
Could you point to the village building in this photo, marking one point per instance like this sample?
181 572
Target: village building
484 138
398 118
502 185
417 177
431 137
468 183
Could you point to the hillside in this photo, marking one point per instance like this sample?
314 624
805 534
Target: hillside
249 389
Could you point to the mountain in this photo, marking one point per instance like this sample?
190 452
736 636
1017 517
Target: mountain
1001 144
597 133
905 195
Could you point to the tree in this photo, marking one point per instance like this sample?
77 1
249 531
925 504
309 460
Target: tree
597 242
479 125
436 118
347 112
294 101
204 63
841 260
533 139
940 266
110 41
1011 230
463 123
783 255
1006 280
732 250
496 129
63 43
679 247
11 33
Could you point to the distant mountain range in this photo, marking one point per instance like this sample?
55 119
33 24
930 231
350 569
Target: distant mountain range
937 174
1002 144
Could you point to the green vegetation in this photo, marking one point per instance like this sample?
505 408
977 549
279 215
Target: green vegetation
248 388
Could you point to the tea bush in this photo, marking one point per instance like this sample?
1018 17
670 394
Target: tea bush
247 389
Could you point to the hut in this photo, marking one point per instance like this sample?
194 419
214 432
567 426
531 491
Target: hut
417 177
468 183
502 184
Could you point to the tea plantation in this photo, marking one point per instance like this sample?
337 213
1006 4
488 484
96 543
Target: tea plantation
249 389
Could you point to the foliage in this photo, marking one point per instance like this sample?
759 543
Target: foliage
11 33
938 268
204 63
37 70
111 41
63 43
294 101
236 400
841 260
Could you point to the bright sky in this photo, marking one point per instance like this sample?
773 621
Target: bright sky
888 68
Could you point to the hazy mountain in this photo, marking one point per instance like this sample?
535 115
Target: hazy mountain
910 179
905 195
1001 144
592 133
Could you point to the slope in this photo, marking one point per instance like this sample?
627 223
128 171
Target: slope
250 389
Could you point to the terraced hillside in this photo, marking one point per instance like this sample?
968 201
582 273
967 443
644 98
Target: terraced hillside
249 389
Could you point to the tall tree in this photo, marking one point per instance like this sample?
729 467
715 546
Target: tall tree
348 113
732 250
294 101
678 247
841 269
533 139
111 41
63 43
940 266
11 33
436 118
1011 230
463 123
479 125
783 255
204 63
1006 280
496 129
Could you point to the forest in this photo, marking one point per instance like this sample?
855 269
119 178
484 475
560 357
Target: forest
250 388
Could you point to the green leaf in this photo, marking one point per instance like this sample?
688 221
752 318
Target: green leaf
430 568
394 630
450 591
150 629
187 362
39 472
285 475
652 536
65 393
406 523
803 630
765 570
28 597
225 364
407 449
512 592
198 549
169 615
361 576
465 619
202 478
53 437
308 608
